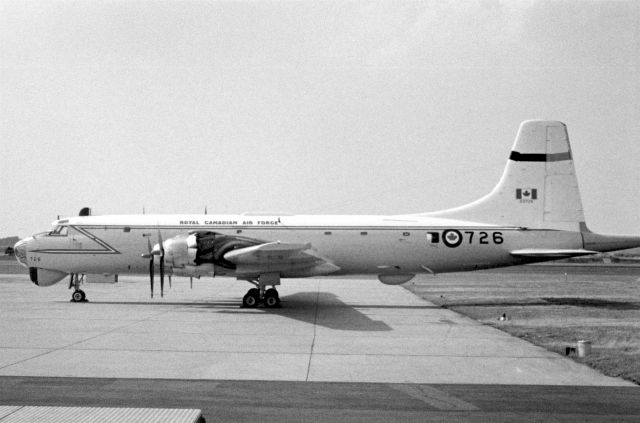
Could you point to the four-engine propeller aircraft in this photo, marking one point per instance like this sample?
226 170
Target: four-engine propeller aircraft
533 214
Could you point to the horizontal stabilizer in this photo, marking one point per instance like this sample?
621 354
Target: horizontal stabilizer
551 252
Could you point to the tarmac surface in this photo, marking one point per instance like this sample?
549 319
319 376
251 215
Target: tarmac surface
342 349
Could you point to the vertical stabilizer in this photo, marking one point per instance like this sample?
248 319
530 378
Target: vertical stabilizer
538 189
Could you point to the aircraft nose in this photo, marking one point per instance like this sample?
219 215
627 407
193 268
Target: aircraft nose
20 250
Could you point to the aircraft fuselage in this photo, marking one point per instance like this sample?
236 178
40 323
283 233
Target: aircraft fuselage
355 244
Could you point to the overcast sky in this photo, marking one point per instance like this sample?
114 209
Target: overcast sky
307 107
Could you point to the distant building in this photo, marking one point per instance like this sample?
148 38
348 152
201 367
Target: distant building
7 244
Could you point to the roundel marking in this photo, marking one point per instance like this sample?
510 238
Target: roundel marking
451 238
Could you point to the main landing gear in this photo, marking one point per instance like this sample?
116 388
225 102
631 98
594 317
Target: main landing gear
78 295
269 297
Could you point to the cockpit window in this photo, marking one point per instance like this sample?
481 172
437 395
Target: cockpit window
59 231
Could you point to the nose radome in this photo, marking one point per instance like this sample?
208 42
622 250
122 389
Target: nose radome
20 250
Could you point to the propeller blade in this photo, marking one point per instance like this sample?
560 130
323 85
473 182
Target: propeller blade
150 264
162 276
161 245
169 281
151 274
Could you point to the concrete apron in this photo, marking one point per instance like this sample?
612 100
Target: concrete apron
338 330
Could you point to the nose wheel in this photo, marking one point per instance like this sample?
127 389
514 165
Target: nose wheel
269 297
78 295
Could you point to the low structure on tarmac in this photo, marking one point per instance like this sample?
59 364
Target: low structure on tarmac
18 413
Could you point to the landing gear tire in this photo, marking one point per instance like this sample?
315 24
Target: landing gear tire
251 299
271 298
78 296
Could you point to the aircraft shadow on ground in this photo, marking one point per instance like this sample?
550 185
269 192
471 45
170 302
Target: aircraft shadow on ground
323 309
201 304
553 301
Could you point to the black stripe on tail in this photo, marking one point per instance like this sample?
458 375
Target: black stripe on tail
557 157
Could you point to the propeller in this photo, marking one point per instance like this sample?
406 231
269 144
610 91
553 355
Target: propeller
157 250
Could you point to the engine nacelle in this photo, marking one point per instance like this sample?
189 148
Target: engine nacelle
395 278
201 249
45 277
181 251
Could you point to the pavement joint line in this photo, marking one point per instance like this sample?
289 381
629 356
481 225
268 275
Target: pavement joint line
315 328
52 350
559 357
288 353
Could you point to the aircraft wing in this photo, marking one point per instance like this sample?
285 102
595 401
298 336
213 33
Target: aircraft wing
550 252
288 259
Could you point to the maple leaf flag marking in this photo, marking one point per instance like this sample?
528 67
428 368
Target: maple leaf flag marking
526 194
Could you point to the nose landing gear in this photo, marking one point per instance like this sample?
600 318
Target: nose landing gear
269 297
78 295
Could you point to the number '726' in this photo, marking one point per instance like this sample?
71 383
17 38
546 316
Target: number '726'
485 237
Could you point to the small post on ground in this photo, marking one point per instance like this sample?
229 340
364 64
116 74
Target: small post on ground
584 348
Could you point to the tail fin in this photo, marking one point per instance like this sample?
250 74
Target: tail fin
538 189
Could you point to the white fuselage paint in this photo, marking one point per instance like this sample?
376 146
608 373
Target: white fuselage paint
356 244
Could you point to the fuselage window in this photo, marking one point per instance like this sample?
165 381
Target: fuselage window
126 229
363 233
406 233
327 233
